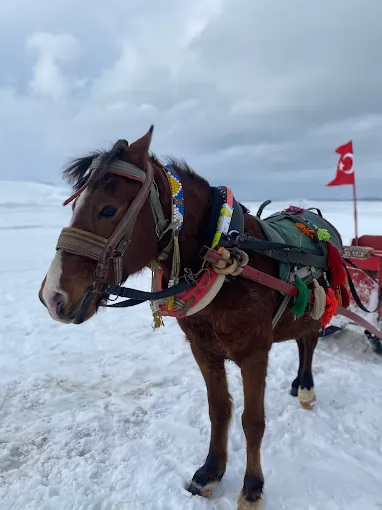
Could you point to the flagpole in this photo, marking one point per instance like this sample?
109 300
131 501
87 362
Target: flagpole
345 175
355 212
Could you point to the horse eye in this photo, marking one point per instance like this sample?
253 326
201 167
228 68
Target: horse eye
107 212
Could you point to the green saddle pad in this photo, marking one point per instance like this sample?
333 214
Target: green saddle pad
281 228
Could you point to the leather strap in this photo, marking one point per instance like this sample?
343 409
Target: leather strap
84 243
120 239
355 294
137 297
81 242
278 251
286 288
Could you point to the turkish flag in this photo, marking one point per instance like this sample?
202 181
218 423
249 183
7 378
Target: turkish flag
345 170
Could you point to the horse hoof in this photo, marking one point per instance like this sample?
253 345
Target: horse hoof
307 398
244 504
204 491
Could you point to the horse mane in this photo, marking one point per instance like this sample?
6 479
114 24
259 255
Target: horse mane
75 172
179 164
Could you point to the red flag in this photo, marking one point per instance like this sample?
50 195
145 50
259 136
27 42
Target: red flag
345 170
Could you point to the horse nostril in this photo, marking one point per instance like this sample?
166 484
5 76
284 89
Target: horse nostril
60 308
57 301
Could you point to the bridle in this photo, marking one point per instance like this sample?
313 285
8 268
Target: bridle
107 251
111 250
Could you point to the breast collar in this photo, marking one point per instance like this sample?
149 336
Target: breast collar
226 215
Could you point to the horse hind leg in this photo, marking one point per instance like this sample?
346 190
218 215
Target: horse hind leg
296 383
303 385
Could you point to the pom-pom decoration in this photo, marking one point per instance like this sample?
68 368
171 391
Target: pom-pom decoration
302 298
330 308
323 234
337 272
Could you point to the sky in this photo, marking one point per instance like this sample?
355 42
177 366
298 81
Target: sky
255 95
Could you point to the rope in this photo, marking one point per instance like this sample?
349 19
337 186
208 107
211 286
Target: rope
175 270
157 317
230 266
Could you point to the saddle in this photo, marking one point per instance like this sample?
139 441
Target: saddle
301 227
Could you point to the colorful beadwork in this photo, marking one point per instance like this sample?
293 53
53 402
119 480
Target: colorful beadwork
177 221
225 218
177 218
177 197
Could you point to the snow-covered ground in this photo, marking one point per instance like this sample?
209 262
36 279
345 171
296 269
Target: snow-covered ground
109 415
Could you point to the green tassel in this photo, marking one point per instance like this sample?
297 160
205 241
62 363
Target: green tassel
323 234
302 298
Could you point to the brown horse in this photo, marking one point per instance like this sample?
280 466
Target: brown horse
236 325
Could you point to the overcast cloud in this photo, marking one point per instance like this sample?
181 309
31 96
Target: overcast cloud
255 94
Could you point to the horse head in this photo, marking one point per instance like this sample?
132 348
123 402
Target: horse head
113 232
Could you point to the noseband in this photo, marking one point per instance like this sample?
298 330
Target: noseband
105 251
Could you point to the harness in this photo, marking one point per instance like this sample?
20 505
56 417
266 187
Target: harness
223 255
226 215
193 292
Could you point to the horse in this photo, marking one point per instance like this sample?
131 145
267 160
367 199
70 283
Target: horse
130 212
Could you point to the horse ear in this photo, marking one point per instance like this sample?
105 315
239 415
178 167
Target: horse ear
138 151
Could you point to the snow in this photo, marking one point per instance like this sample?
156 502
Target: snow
110 415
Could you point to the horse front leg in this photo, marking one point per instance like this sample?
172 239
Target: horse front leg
220 404
253 371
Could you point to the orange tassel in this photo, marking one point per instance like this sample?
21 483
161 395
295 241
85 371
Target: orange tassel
330 308
306 230
337 272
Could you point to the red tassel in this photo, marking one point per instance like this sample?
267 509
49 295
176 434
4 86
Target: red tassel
330 308
337 272
345 296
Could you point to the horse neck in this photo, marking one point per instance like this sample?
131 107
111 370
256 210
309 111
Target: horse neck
196 193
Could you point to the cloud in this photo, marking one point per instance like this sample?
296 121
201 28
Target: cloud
256 95
48 78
